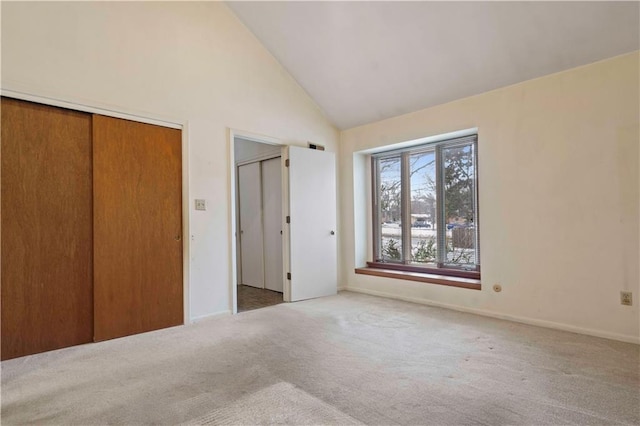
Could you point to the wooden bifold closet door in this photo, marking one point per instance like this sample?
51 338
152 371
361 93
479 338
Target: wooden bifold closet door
91 228
47 235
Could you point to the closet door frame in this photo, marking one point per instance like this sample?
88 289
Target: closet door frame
126 114
234 265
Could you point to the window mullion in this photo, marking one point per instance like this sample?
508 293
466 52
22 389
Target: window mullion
441 252
406 208
476 208
375 208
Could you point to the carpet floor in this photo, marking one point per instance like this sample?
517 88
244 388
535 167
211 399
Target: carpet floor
345 359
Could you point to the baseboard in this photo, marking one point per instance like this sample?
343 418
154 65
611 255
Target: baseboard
523 320
342 288
207 316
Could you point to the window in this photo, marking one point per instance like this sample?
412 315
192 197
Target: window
425 208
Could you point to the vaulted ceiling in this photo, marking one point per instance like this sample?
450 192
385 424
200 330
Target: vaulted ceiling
366 61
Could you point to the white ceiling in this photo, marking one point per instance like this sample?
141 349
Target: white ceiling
366 61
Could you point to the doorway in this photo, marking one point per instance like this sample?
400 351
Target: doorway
308 235
259 219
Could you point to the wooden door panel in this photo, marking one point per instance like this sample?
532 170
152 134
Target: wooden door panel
47 293
137 227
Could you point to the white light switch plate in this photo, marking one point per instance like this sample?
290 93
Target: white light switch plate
201 204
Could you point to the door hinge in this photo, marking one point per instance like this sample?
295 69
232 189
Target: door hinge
286 162
288 219
289 275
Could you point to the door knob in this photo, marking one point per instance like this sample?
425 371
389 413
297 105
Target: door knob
177 238
333 233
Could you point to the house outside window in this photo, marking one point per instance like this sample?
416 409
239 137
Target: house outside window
425 208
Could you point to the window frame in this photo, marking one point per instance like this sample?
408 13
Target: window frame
405 264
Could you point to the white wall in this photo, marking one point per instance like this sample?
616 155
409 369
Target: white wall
179 61
559 202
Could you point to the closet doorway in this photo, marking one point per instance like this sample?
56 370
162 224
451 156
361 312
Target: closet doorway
260 221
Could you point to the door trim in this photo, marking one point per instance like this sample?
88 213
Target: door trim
119 112
233 212
109 111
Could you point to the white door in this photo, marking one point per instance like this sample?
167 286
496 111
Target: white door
312 232
272 221
251 248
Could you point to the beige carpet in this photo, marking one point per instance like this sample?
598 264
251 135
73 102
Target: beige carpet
281 403
345 359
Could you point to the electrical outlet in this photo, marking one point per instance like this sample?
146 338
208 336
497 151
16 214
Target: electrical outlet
626 298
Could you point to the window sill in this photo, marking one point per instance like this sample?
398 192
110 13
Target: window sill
470 283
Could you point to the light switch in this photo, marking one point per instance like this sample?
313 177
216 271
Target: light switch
201 204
